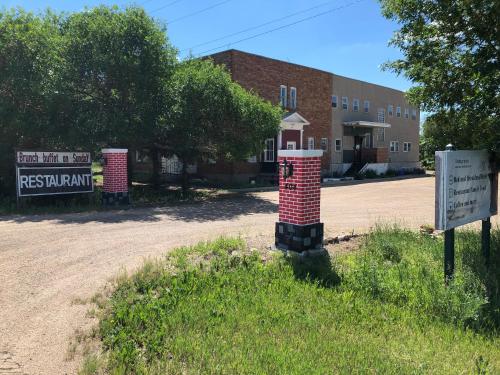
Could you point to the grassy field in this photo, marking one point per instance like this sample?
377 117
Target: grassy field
219 308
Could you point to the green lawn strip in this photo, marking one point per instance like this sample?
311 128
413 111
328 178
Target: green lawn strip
214 308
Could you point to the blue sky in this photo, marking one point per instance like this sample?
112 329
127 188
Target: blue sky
351 41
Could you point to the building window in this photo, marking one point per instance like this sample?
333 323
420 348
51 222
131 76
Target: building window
345 102
390 110
398 111
334 101
293 97
367 106
310 143
367 140
141 156
355 105
407 147
269 151
338 145
324 144
291 145
413 114
381 115
381 134
283 96
407 113
394 146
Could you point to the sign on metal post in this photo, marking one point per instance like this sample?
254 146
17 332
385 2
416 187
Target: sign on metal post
51 173
466 191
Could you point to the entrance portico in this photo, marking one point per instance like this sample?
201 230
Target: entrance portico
364 142
291 134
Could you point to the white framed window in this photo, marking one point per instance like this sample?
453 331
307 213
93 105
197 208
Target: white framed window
407 113
291 145
406 146
283 96
367 141
367 106
335 102
381 134
355 105
381 115
293 97
390 110
324 144
269 151
310 143
338 145
413 114
398 111
345 102
394 146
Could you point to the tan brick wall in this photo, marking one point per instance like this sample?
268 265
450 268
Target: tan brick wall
264 76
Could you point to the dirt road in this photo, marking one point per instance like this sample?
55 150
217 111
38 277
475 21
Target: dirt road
48 261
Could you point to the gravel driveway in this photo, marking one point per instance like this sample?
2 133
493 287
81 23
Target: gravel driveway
47 261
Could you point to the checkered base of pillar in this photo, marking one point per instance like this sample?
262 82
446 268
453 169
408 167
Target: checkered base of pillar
115 199
299 237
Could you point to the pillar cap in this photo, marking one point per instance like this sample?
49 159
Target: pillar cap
300 153
114 150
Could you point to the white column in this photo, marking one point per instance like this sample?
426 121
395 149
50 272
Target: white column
301 147
280 135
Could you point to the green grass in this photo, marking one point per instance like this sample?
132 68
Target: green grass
218 308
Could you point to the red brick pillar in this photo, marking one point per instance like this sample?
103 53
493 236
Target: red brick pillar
115 189
299 228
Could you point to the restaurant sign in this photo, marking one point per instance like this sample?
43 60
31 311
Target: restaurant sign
466 188
50 173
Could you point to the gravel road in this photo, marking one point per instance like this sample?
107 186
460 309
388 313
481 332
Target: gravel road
47 261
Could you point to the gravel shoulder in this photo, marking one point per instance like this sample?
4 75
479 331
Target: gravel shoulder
48 261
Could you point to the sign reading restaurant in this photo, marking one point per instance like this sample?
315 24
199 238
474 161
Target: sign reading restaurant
49 173
466 188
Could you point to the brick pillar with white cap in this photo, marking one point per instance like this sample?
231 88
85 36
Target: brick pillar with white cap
115 177
299 228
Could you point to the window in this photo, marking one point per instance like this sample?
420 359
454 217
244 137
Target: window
355 105
338 145
283 96
407 113
394 146
390 110
345 102
398 111
381 115
367 106
293 97
367 140
310 143
381 134
141 156
269 150
413 114
407 147
291 145
324 144
334 101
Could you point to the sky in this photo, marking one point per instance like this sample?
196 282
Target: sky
350 39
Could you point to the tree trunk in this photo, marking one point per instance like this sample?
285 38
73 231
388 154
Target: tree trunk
184 178
155 178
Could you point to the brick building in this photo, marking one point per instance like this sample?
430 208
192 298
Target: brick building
357 124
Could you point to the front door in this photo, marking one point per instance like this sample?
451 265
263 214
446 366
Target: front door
358 143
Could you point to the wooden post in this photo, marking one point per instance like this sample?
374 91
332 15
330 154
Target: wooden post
449 254
485 239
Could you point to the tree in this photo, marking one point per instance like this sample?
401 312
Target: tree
210 116
116 68
451 52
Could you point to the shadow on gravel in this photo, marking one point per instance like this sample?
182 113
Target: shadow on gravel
222 208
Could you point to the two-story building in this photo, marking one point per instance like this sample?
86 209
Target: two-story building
354 122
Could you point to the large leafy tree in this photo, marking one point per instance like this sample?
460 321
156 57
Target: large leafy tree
210 116
451 52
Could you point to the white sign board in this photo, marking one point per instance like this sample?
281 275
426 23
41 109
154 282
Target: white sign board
47 157
466 188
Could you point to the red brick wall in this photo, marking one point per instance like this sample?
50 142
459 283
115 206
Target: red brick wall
115 172
301 204
264 76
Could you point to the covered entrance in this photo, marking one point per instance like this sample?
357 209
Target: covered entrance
367 140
